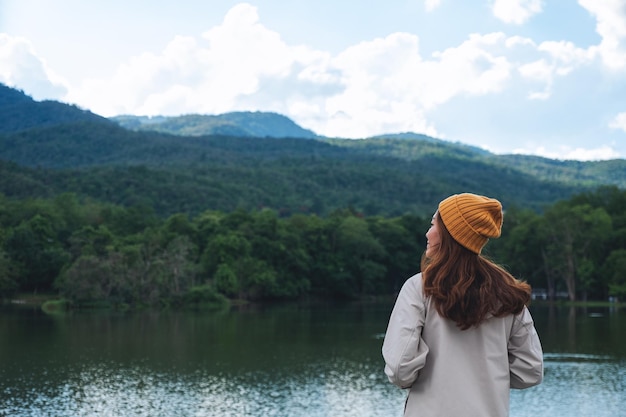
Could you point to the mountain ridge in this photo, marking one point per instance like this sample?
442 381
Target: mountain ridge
249 124
97 158
20 112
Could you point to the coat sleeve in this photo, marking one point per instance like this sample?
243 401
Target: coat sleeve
525 353
404 349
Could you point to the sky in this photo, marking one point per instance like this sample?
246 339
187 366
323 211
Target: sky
534 77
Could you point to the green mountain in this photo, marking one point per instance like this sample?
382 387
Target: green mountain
575 173
250 124
388 175
20 112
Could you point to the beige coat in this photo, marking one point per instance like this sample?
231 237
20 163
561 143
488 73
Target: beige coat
451 372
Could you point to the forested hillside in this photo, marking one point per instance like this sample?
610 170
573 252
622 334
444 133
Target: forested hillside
20 112
101 213
187 174
574 173
390 175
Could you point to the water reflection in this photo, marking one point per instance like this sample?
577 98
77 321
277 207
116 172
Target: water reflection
288 361
575 385
595 331
337 389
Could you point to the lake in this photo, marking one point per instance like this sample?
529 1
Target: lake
287 360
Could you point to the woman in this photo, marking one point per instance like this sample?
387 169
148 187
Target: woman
460 334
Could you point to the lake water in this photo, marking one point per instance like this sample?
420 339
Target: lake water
286 361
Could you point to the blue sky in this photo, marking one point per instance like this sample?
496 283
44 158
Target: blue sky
512 76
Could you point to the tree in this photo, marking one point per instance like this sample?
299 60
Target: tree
573 232
402 247
36 252
281 252
258 279
207 224
522 246
8 275
90 240
317 257
361 254
225 248
179 225
88 279
226 280
615 271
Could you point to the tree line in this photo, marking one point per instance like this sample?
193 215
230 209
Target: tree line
90 252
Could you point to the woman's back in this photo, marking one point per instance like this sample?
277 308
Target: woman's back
460 334
454 372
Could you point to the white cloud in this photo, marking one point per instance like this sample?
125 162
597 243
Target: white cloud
619 122
21 67
380 80
374 87
562 58
383 85
389 87
516 11
611 26
430 5
566 53
564 153
206 76
541 71
472 68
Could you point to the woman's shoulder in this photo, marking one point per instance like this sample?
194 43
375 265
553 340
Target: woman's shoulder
414 287
415 281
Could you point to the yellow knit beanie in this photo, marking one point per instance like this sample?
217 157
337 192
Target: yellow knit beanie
471 219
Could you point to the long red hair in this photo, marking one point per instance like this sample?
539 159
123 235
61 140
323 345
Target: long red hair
466 287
